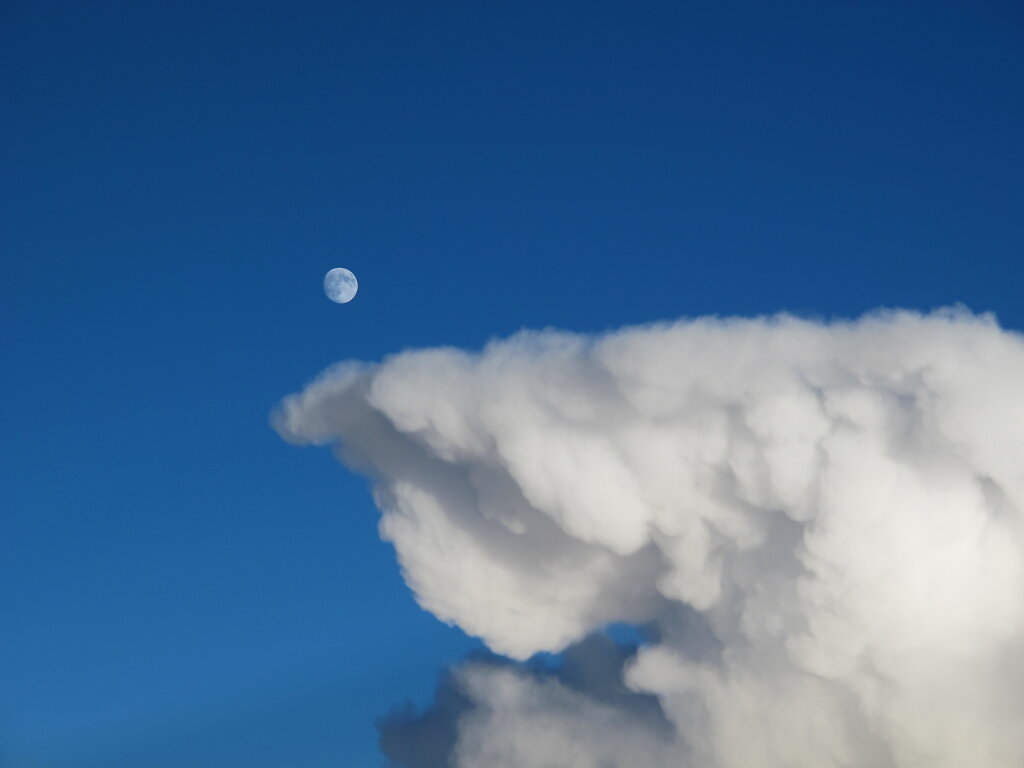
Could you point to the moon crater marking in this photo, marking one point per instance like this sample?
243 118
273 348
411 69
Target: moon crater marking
340 285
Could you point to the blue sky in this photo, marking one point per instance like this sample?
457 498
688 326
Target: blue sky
180 587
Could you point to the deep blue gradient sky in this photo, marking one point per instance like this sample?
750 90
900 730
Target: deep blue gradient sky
180 587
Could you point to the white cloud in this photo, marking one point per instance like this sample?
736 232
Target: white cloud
840 507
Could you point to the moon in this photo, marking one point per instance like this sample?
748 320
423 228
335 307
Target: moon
340 285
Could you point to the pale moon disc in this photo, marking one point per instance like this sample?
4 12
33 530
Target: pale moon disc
340 285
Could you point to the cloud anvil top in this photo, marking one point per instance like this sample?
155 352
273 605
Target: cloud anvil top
837 505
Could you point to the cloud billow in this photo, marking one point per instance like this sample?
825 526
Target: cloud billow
824 523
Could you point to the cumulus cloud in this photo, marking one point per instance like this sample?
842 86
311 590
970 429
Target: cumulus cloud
824 523
491 713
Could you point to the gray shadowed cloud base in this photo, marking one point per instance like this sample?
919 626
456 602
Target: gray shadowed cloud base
587 678
824 524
